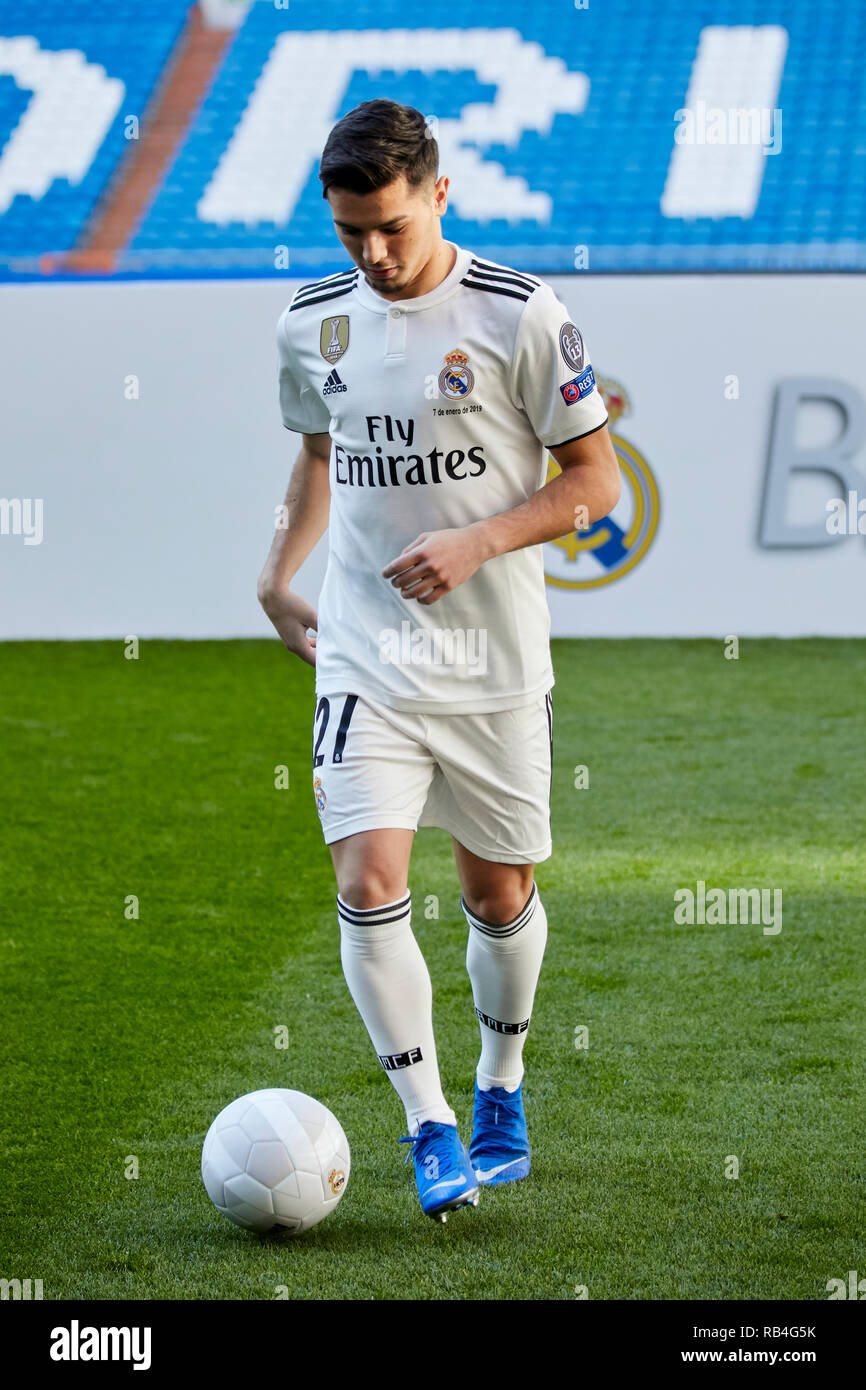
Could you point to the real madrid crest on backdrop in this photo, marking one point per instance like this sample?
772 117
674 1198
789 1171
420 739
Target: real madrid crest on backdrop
612 547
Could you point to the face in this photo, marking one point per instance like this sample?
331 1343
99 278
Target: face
392 234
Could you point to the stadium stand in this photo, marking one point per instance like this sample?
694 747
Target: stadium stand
71 72
576 138
138 176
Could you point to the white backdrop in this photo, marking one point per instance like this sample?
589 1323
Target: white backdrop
157 512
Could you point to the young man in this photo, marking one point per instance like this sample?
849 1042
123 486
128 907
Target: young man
428 386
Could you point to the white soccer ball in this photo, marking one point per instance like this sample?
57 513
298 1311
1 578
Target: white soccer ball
275 1158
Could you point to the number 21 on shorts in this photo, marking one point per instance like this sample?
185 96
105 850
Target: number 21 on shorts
320 727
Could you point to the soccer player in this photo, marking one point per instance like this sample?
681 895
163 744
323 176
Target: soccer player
429 385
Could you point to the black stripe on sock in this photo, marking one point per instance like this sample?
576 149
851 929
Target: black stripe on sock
373 916
502 929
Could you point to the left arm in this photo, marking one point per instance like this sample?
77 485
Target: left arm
586 490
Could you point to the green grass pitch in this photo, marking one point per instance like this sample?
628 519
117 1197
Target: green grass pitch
124 1037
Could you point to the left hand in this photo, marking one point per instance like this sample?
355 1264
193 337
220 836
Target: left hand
436 562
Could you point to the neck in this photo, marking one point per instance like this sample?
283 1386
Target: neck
435 270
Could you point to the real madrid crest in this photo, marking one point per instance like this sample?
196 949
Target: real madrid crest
455 379
334 337
603 552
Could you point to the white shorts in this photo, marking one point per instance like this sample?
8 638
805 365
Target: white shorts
485 778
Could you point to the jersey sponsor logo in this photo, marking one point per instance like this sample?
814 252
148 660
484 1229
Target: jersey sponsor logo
612 547
381 470
333 385
394 1061
455 379
499 1027
319 793
571 347
579 387
334 337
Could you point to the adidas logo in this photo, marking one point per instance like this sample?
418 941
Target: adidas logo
333 385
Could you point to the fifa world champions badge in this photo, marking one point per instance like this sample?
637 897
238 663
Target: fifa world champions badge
455 379
334 337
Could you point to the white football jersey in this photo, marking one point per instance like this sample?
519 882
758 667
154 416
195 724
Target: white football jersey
440 409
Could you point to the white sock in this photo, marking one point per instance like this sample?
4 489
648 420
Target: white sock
390 984
504 962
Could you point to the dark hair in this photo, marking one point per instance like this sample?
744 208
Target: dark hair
376 143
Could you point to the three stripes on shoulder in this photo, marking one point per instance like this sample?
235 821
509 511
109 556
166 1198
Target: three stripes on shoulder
481 275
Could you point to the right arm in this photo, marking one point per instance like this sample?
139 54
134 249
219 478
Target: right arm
307 504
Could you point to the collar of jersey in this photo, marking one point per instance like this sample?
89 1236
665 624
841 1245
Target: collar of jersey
371 300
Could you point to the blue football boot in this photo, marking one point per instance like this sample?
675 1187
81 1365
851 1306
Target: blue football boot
442 1169
499 1151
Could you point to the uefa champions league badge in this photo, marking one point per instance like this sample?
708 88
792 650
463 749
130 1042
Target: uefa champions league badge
319 793
579 387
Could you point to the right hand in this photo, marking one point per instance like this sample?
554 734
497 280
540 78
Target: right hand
291 615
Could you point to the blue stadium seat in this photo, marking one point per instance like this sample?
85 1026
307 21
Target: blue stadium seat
99 62
601 169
